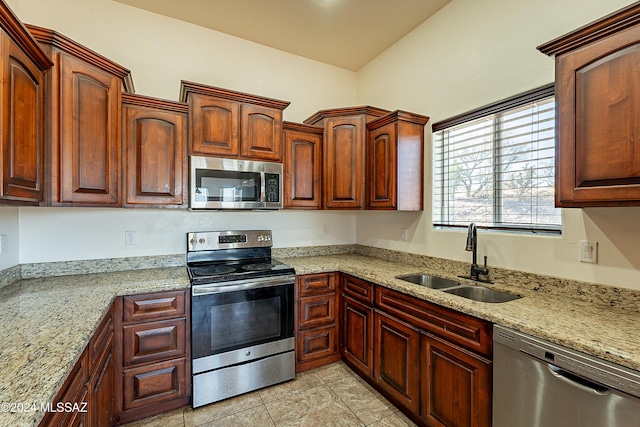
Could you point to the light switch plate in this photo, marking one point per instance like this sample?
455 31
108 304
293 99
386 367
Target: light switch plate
588 251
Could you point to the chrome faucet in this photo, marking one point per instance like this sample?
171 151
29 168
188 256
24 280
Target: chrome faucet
472 246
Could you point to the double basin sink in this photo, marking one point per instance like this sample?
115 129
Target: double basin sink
475 293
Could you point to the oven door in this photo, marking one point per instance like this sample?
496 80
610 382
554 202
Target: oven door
241 321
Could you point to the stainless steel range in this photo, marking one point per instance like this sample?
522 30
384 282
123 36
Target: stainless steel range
242 312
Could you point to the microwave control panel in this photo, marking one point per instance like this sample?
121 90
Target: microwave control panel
272 187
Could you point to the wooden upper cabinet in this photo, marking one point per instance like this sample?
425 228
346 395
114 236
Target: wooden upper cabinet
344 147
597 99
395 162
215 132
22 117
302 166
231 124
154 137
261 136
83 158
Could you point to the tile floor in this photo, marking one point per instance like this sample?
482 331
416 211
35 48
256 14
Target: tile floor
328 396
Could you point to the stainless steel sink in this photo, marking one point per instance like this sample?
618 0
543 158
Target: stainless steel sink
478 293
428 281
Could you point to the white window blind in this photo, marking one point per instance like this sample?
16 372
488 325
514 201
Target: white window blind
498 169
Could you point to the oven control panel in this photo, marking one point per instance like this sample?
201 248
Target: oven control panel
212 240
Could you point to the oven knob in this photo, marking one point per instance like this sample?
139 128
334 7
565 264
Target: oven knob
193 241
201 241
260 238
247 353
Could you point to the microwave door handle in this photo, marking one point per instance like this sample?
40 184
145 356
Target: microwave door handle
263 189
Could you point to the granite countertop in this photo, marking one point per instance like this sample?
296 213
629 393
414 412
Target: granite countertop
45 324
610 333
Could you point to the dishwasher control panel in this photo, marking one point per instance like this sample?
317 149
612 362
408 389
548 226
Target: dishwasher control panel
572 361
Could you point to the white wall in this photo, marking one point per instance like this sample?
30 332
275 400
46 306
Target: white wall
160 52
472 53
60 234
10 227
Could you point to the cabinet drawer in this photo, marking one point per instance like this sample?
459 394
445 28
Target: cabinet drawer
316 343
153 306
101 338
155 383
314 284
358 289
152 341
316 311
466 331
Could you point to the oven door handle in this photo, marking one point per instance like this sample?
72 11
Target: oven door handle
242 285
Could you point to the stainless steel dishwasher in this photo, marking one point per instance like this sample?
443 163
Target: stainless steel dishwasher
540 384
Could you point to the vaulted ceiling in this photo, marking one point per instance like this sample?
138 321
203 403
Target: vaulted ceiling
344 33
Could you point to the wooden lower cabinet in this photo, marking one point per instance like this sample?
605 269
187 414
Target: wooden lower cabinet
455 385
356 323
434 363
152 354
396 360
316 317
89 388
357 335
102 388
154 383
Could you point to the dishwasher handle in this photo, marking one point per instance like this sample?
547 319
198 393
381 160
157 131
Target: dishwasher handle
578 382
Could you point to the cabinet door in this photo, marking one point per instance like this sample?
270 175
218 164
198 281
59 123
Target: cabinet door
155 156
357 335
21 147
344 163
102 392
74 391
381 167
396 360
90 154
455 385
597 95
261 133
302 169
215 126
102 374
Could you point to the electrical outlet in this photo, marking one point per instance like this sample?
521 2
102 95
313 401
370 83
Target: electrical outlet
3 243
403 234
588 251
130 238
325 229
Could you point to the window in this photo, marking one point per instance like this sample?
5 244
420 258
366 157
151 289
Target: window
496 166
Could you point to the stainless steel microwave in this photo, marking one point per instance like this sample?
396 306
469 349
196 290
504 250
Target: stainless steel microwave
234 184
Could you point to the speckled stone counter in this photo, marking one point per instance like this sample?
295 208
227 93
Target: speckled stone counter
45 324
601 330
